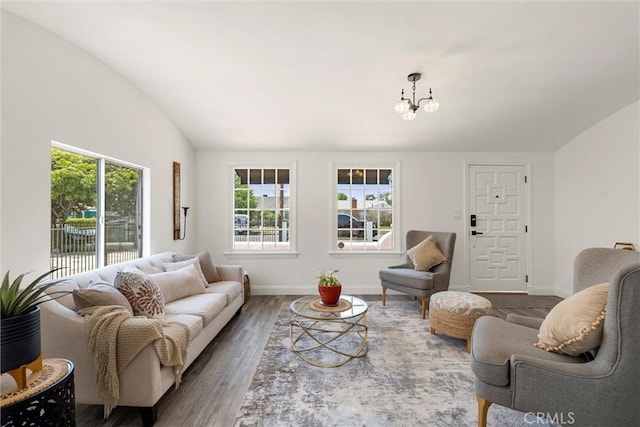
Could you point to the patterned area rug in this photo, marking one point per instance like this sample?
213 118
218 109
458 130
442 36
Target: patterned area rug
407 378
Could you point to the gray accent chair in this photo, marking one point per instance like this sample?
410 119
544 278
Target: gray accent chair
423 284
600 390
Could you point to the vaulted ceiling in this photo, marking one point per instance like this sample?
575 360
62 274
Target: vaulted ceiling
509 76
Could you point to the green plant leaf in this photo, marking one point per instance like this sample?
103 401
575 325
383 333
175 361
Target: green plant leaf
16 300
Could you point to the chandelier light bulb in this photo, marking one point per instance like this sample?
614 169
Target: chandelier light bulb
402 106
431 106
409 115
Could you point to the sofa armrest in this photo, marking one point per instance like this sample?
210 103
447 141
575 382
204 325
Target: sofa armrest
230 272
529 322
70 344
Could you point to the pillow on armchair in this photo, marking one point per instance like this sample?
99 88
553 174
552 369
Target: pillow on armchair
574 326
426 255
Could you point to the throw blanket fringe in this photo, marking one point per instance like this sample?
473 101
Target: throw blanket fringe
115 339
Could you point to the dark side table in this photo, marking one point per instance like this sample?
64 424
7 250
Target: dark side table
47 400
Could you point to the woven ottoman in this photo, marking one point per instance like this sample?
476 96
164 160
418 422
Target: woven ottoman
454 313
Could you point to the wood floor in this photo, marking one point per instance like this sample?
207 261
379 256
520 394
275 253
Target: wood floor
214 385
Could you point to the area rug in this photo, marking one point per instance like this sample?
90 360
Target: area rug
407 378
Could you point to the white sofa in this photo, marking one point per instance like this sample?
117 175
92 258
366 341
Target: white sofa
144 381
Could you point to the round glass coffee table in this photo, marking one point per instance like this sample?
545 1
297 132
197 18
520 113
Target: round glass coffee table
329 336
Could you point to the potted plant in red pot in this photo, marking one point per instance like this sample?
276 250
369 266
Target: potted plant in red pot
329 288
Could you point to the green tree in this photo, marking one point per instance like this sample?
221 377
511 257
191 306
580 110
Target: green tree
342 196
121 190
386 196
243 199
73 184
370 197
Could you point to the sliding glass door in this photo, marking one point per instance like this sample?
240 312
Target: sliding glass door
96 207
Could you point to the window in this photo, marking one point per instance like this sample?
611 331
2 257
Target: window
96 207
364 207
262 214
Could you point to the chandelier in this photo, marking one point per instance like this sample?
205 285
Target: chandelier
407 107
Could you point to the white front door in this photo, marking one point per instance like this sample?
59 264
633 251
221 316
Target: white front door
498 228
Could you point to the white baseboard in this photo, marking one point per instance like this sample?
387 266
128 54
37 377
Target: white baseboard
562 293
309 290
366 289
375 289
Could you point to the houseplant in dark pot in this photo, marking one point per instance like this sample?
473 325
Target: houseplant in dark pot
329 288
20 322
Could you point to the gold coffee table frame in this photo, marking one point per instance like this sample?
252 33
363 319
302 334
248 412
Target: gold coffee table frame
326 325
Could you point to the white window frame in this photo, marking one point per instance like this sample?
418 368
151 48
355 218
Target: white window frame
145 238
292 225
395 209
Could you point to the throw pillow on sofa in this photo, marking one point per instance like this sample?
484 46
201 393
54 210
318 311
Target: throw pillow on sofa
206 264
142 292
99 293
179 284
173 266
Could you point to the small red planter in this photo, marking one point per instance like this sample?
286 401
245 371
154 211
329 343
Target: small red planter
329 295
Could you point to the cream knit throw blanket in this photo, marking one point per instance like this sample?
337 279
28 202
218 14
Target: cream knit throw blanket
115 339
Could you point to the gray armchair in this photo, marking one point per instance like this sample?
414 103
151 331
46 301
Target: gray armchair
588 391
423 284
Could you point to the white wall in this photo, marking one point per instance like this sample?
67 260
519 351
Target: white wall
597 191
432 188
52 90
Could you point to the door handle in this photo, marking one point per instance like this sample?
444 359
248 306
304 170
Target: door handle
474 232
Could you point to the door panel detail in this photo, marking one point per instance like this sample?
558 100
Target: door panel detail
498 251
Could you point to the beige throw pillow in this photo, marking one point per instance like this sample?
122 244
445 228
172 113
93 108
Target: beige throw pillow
574 326
179 284
426 255
142 292
206 264
173 266
100 294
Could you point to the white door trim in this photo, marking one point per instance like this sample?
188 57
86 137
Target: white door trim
467 229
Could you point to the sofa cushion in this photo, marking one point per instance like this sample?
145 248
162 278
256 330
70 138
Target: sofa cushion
179 283
63 292
194 323
100 293
491 356
574 326
173 266
207 306
207 265
142 292
407 277
426 254
231 289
